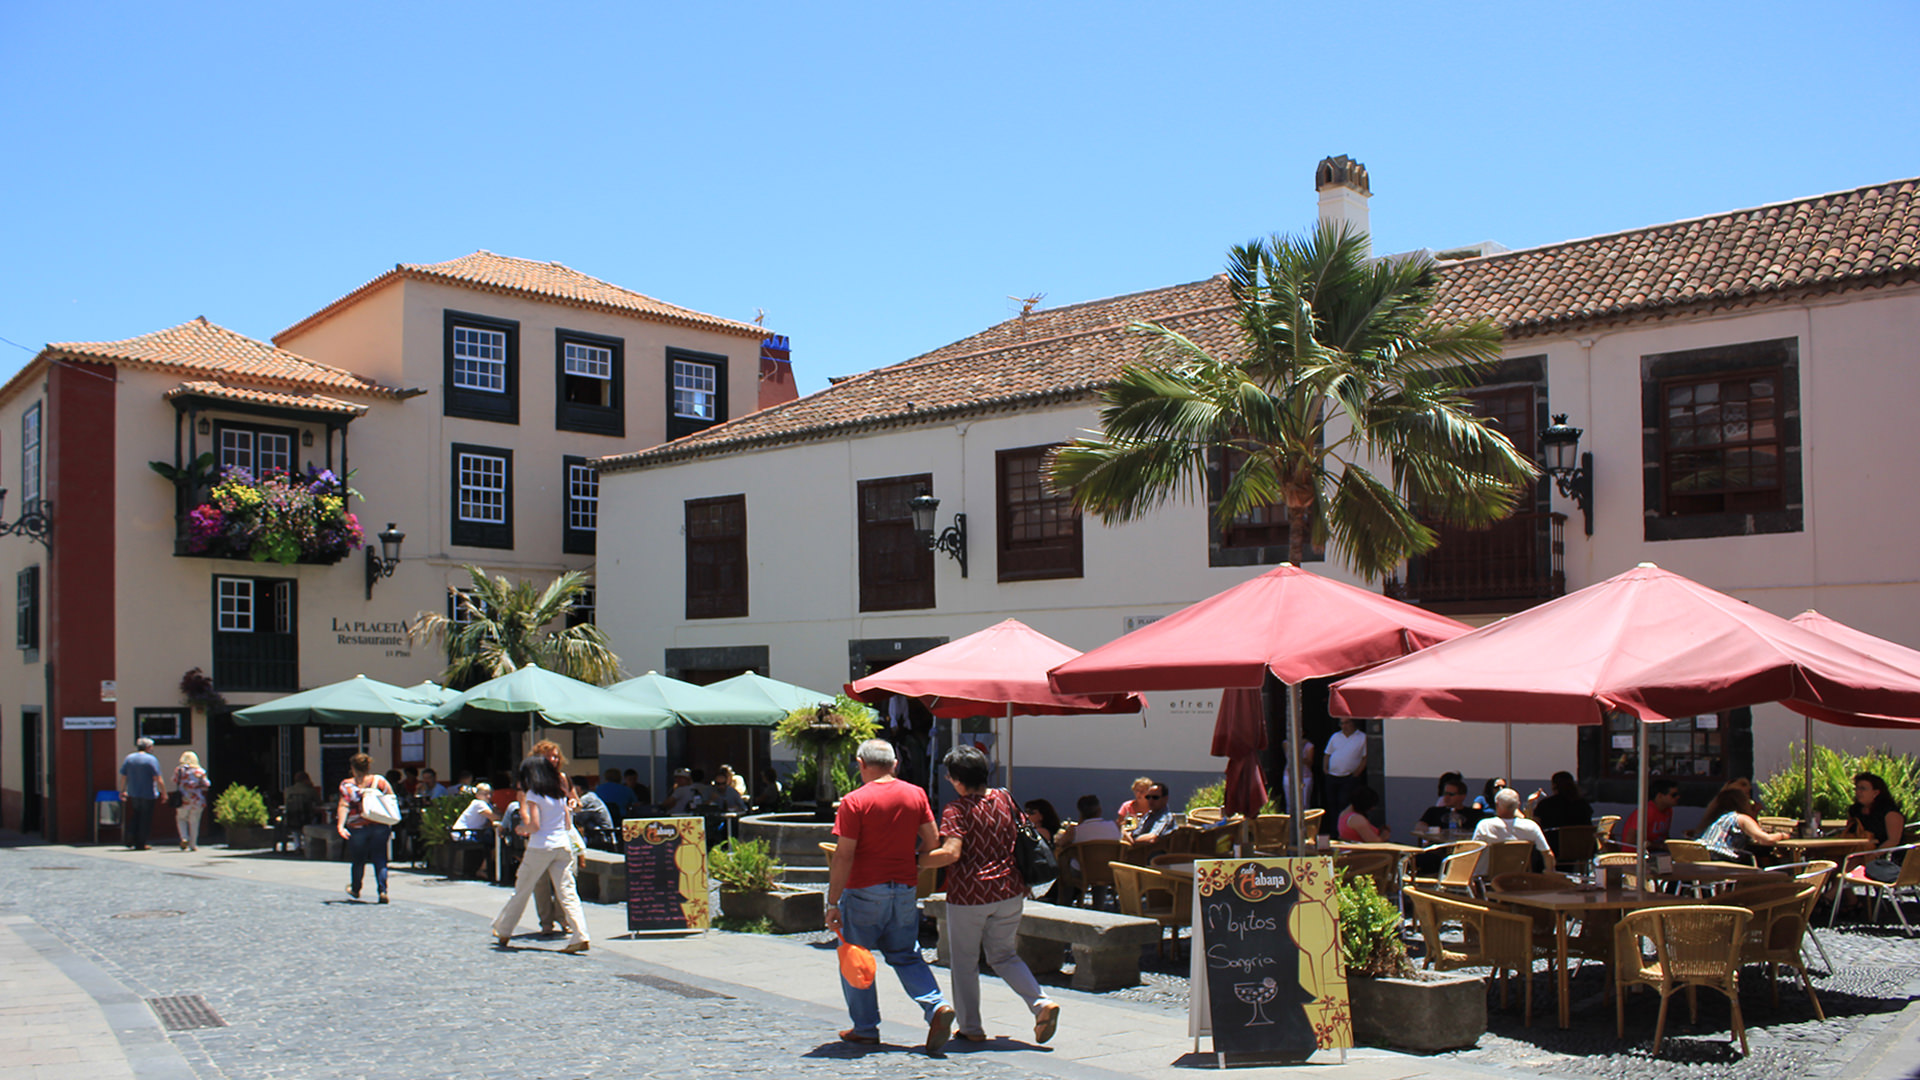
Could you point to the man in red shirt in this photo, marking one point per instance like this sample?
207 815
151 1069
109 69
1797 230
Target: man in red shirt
1663 796
880 830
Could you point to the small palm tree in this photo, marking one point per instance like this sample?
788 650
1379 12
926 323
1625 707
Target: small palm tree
1340 368
508 625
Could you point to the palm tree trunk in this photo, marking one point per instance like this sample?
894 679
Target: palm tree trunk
1299 524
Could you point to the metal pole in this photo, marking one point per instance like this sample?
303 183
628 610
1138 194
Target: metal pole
1806 755
1009 773
1640 841
1296 801
1509 773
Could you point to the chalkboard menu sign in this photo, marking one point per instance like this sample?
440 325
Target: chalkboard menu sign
666 874
1267 961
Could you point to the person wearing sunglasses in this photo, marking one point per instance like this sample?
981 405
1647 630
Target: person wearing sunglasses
1158 819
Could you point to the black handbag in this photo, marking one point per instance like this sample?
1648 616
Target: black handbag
174 799
1032 855
1884 870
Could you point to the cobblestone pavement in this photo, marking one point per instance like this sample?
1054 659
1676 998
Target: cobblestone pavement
313 985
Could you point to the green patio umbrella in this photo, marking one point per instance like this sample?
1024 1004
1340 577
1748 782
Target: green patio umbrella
699 706
359 701
533 696
781 695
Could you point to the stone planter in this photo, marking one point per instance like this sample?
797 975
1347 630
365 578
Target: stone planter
251 837
1425 1014
791 911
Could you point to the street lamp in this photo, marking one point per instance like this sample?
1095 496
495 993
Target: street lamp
952 540
1559 446
382 561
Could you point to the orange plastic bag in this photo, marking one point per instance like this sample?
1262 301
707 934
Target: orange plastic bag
856 965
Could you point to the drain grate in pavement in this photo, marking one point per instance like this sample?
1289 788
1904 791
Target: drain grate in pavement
53 868
184 874
672 987
185 1012
155 914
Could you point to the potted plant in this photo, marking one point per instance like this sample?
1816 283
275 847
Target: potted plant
827 735
1394 1005
196 688
277 517
436 832
243 813
750 889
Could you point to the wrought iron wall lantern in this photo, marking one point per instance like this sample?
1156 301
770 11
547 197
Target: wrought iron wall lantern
952 539
34 523
383 560
1559 446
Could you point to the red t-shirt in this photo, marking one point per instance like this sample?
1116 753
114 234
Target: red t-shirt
1659 827
984 873
884 818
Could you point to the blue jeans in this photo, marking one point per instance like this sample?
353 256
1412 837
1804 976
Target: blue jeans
886 919
368 844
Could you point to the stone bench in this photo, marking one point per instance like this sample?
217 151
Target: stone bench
323 842
1105 946
604 881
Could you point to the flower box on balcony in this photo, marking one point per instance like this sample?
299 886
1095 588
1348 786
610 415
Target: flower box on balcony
277 518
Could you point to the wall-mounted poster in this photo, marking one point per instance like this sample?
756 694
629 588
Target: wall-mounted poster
666 874
1268 976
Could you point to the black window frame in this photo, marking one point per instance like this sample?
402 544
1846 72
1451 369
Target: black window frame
678 425
502 407
585 607
480 534
573 539
1027 559
33 442
221 427
172 724
1778 358
706 556
27 612
885 540
608 419
267 659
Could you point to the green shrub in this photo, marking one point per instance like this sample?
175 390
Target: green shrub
801 786
438 815
833 731
240 805
1833 770
744 866
1370 931
1214 794
733 924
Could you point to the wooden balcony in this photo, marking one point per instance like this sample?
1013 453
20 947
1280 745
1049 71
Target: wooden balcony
1512 565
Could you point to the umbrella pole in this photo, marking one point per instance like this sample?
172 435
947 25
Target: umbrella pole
1008 777
1295 801
1640 841
1509 773
1806 761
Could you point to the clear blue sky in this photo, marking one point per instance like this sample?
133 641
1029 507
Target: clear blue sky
878 177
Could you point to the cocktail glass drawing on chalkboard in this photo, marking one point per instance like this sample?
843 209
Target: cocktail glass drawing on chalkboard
1257 995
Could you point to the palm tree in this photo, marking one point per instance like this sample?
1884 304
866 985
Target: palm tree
507 625
1340 368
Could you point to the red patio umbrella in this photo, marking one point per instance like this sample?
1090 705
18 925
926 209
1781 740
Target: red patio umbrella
1892 652
1646 642
1000 669
1239 734
1289 621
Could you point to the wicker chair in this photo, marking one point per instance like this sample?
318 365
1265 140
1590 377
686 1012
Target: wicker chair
1377 865
1853 875
1206 815
1574 847
1778 824
1776 933
1310 821
1508 857
1456 870
1689 851
1147 893
1491 939
1270 832
1217 840
1594 939
1693 946
1603 829
1095 859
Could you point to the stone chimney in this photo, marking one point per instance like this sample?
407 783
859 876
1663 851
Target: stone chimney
1342 184
776 371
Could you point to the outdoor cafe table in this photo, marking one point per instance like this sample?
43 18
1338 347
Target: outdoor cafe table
1836 848
1574 903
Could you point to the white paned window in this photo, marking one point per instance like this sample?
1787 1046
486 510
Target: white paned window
480 359
280 597
483 488
236 449
30 457
583 498
275 451
236 605
590 361
694 387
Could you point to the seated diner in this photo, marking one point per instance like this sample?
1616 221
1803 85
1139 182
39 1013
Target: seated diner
1874 813
1732 834
1153 824
1507 824
1662 797
1354 826
1136 806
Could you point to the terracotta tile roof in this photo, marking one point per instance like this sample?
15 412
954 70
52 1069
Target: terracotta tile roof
201 347
1867 236
1852 239
305 402
540 281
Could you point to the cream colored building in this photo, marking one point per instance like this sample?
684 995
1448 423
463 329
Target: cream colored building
1701 358
466 397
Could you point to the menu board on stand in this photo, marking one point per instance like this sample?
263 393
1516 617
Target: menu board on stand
1267 976
666 874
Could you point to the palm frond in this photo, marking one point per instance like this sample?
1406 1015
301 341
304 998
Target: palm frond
1373 526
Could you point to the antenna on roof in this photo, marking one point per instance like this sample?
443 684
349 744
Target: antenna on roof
759 316
1027 302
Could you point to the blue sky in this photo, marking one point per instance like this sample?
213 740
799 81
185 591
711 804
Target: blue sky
878 177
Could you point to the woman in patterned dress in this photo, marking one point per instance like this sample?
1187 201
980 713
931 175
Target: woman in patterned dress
190 780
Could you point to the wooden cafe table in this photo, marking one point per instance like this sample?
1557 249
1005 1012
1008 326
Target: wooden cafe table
1836 848
1572 903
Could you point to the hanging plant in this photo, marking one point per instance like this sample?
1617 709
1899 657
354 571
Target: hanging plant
280 517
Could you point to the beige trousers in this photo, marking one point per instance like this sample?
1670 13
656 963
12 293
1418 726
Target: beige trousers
554 865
